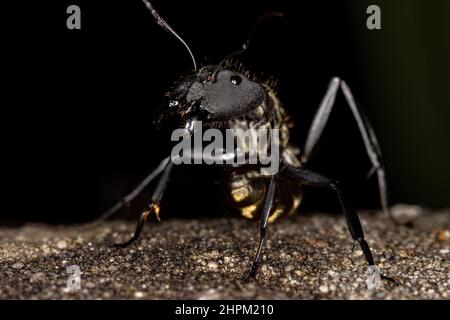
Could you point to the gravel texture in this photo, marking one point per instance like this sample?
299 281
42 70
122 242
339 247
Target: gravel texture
306 257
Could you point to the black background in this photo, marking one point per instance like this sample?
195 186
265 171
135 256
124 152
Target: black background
77 105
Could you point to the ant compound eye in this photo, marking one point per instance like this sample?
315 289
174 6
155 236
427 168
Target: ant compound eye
236 80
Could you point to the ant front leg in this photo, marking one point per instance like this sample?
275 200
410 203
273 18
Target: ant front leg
312 178
154 204
135 192
157 195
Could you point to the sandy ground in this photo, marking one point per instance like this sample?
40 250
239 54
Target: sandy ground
306 257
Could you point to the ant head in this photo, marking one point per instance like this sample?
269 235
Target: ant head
215 93
222 95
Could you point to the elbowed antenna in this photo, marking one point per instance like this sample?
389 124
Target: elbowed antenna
166 26
246 44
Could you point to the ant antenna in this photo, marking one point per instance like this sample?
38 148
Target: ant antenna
246 44
161 22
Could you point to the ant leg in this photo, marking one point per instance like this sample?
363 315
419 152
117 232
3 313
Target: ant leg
312 178
372 147
268 203
135 192
320 120
153 206
139 226
365 128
